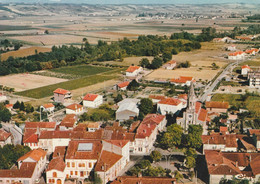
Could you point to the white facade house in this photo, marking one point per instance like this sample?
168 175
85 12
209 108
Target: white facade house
254 78
182 81
245 69
92 100
170 105
76 109
231 48
48 107
133 71
240 55
55 172
5 137
170 65
127 111
2 97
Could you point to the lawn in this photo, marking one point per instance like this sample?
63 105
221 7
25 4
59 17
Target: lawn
69 85
233 99
81 70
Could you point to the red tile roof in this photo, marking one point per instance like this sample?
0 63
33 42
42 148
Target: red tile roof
59 151
145 130
216 104
61 91
35 154
119 143
131 69
170 101
197 107
49 105
90 97
107 160
40 125
245 66
73 153
9 106
143 180
56 164
74 106
69 120
4 135
123 84
55 134
254 131
157 97
93 125
203 115
228 140
183 96
181 79
153 118
26 171
172 62
223 129
236 53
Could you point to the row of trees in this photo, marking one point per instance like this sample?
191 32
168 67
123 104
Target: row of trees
5 114
6 45
149 45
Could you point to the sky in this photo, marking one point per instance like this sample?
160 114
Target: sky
138 1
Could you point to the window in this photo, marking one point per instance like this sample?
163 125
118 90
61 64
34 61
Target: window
80 165
67 176
53 180
68 164
90 165
73 164
54 174
71 172
76 173
81 173
83 164
49 180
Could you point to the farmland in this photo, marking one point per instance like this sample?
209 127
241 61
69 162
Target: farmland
23 52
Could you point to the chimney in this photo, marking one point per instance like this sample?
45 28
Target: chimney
236 163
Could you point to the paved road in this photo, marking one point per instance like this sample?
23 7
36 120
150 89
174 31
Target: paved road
210 87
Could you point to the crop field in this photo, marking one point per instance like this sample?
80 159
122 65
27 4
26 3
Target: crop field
23 52
81 70
11 27
21 82
69 85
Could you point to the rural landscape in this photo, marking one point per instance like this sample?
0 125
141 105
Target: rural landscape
129 93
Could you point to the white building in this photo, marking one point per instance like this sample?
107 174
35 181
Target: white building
240 55
182 81
245 69
55 171
254 78
170 65
2 97
92 100
48 107
122 86
76 109
133 71
231 48
170 105
127 111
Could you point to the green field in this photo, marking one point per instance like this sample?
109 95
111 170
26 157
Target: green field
251 63
69 85
12 28
81 70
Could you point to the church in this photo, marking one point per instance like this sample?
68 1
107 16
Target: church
194 113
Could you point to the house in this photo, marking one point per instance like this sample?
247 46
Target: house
224 143
182 81
170 105
76 109
143 180
255 134
215 106
55 171
48 107
122 86
5 137
239 55
158 119
92 127
170 65
128 109
254 78
9 106
245 69
252 52
30 168
133 71
61 95
2 97
244 38
227 165
231 48
225 39
156 98
69 122
92 100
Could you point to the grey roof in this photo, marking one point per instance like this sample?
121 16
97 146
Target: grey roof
130 106
128 100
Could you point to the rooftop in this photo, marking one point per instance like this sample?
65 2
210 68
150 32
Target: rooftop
61 91
90 97
131 69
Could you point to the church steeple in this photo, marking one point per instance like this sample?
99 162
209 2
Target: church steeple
191 97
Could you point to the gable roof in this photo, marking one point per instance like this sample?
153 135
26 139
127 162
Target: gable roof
181 79
217 104
26 171
157 97
30 136
131 106
123 84
35 154
170 101
107 160
119 143
40 125
59 151
145 130
203 115
69 120
228 140
74 106
4 135
48 105
153 118
245 66
131 69
61 91
90 97
56 164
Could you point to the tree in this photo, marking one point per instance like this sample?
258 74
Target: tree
178 175
190 162
156 63
118 98
146 106
144 62
46 31
17 46
97 179
156 156
174 51
133 85
167 56
194 136
5 115
22 107
144 164
172 137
